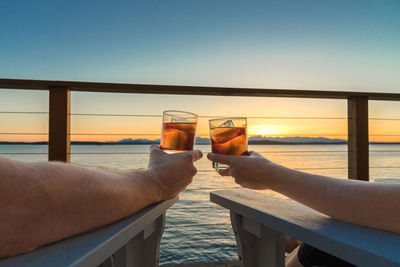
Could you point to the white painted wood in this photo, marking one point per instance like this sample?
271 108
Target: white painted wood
257 245
359 245
93 248
144 249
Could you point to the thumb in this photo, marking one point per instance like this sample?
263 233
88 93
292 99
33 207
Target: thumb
224 159
196 154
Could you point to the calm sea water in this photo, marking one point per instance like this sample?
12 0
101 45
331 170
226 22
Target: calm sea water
196 229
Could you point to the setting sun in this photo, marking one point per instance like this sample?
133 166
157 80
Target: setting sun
265 130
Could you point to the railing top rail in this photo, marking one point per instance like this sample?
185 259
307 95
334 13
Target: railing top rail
188 90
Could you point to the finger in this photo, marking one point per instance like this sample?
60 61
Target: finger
225 172
253 153
256 154
224 159
196 154
155 149
247 153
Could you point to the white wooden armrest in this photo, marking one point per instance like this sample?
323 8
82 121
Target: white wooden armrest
260 221
134 241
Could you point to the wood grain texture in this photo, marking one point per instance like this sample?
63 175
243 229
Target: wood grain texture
359 245
188 90
358 143
59 124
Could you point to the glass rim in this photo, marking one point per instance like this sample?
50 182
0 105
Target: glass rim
179 111
228 118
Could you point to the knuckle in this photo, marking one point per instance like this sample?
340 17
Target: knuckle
188 157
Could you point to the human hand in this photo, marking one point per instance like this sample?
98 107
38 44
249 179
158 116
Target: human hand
249 171
172 172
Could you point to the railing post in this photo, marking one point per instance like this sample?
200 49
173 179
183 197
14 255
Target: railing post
59 124
358 150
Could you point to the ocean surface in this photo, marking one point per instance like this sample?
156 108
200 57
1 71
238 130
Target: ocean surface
196 229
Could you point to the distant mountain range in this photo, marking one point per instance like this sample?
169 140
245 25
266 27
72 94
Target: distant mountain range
254 140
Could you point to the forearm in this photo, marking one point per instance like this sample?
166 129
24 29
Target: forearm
369 204
57 200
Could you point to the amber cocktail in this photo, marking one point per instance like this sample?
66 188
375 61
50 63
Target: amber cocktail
178 130
228 137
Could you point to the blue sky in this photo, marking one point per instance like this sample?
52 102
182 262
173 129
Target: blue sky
341 45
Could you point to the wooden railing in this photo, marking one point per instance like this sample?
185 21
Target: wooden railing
59 110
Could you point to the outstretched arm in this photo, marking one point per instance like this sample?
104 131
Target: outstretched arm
374 205
45 202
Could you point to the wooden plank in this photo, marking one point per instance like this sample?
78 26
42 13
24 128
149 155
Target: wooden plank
188 90
92 248
359 245
59 124
358 145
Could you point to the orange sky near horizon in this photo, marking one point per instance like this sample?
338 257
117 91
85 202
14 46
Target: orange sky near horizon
267 116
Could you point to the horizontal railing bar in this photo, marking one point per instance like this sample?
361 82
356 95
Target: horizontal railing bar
133 134
200 116
383 151
24 112
203 134
99 153
263 152
188 90
384 135
117 115
146 153
22 153
204 171
385 167
272 136
25 133
207 171
384 119
210 116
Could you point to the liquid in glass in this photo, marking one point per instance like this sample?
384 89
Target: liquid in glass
228 141
178 136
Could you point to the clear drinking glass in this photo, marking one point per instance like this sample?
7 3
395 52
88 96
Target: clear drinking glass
228 137
178 130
